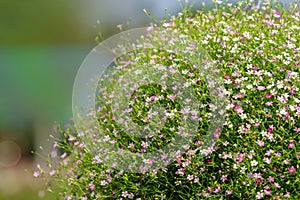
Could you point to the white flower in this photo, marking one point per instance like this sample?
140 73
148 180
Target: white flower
254 163
225 38
103 182
227 81
259 195
235 166
243 116
185 71
204 42
138 72
166 25
247 34
243 169
279 84
249 86
268 160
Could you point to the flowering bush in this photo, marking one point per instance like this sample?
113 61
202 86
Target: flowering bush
257 153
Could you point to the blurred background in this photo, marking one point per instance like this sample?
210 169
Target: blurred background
42 44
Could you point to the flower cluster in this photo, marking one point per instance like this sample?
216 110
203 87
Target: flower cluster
257 49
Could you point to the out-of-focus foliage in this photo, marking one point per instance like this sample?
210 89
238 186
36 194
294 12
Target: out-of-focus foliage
32 22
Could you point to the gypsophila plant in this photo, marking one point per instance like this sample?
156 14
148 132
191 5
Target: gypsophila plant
257 153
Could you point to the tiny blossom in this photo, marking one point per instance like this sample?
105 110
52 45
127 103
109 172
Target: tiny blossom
277 14
271 179
260 143
291 145
259 195
267 190
291 169
268 160
190 177
224 178
259 181
124 194
144 144
287 195
228 192
254 163
261 88
277 185
92 186
52 173
36 174
286 161
269 96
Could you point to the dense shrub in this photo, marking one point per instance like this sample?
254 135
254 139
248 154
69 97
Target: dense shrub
256 155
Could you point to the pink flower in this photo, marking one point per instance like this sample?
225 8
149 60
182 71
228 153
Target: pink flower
149 28
287 115
52 173
144 144
216 135
240 158
260 143
208 161
152 98
36 174
92 186
236 107
255 68
268 153
226 76
292 169
268 192
287 195
293 91
240 96
256 124
277 185
270 129
269 96
259 181
277 14
223 178
190 177
291 145
180 171
218 189
228 192
261 88
271 179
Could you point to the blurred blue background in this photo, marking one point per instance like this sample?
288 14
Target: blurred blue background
42 44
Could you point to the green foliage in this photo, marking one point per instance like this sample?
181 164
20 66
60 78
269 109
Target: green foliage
256 155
